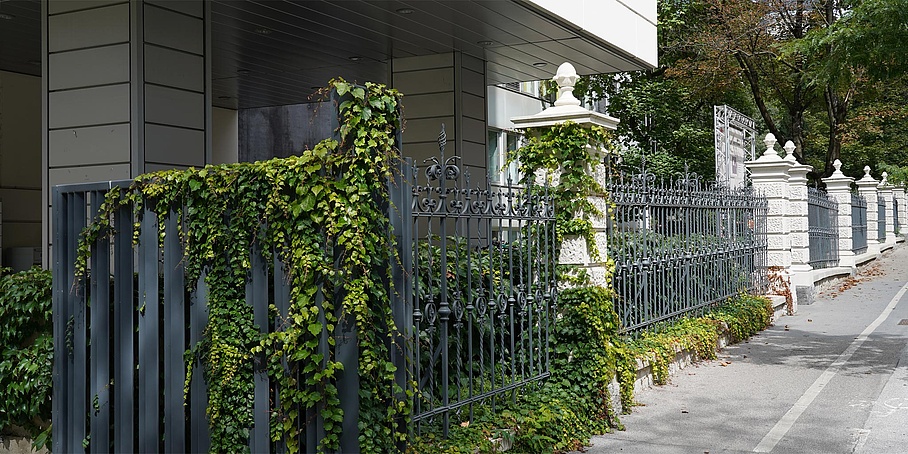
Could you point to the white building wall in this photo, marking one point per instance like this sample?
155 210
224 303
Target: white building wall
630 25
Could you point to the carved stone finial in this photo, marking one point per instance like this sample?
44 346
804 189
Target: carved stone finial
566 77
789 151
770 142
885 179
867 172
838 167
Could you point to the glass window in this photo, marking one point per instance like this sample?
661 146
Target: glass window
494 157
500 146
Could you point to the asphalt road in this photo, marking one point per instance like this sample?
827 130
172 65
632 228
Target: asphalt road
831 379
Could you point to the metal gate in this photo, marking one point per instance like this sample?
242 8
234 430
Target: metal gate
476 287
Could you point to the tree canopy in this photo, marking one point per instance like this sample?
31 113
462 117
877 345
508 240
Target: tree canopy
827 74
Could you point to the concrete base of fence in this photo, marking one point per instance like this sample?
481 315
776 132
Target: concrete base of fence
683 359
18 445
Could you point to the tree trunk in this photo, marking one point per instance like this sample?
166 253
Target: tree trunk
753 80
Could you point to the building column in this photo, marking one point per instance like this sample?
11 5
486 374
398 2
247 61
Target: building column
444 88
126 90
838 186
867 187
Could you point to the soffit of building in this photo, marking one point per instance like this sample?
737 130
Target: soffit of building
275 52
271 52
20 36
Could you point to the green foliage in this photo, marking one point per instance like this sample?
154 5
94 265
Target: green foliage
739 318
561 413
324 215
564 150
26 353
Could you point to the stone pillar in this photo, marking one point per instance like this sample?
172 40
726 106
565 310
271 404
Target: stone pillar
885 190
838 186
574 250
898 194
798 224
867 187
770 176
126 90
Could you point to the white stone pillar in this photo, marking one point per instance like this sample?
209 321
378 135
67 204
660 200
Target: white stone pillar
574 250
769 175
885 190
838 186
898 194
799 229
867 187
798 224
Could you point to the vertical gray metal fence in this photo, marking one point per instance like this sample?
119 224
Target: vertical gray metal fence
881 220
823 229
120 334
478 287
681 246
858 224
120 338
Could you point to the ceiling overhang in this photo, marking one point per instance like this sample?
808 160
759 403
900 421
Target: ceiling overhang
277 52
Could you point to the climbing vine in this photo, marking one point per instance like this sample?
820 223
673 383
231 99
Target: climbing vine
567 151
324 216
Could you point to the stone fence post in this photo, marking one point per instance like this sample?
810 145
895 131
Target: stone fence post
838 186
770 177
886 193
867 187
898 195
574 250
798 222
769 174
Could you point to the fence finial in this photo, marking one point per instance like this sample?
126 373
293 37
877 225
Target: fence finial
867 173
770 142
885 179
566 77
789 151
838 168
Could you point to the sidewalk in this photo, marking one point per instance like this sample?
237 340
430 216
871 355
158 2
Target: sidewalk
831 379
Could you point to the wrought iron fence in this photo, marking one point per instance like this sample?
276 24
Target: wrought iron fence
680 246
477 271
858 224
823 229
881 220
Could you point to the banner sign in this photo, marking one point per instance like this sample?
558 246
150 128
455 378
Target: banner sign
735 143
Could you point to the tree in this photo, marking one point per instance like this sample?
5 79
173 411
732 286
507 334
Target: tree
662 117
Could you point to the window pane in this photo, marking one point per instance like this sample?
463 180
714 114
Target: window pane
512 167
494 157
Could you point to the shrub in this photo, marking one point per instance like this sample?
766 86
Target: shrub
26 353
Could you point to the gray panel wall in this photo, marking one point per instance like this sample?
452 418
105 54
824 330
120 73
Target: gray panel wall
20 160
443 88
127 89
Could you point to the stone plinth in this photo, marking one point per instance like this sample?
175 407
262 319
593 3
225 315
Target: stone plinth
838 187
867 187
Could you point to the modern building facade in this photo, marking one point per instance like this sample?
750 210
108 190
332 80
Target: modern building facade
99 90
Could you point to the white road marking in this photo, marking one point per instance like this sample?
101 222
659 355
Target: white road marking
784 425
